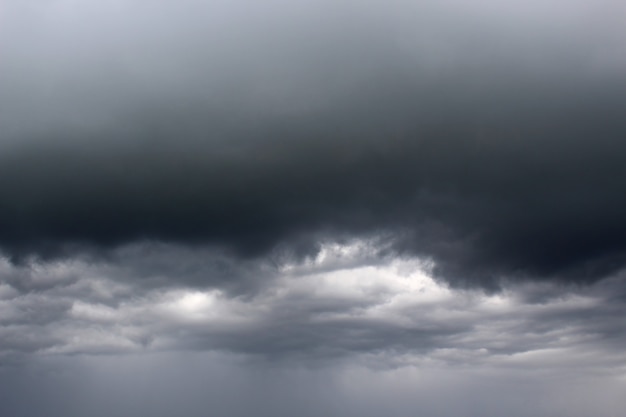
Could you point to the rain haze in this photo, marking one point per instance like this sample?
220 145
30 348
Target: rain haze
312 208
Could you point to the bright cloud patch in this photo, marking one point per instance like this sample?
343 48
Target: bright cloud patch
334 306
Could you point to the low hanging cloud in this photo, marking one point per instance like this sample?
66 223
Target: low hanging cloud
390 314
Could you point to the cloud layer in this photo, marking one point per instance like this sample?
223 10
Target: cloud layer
465 138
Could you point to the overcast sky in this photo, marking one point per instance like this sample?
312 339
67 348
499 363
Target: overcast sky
312 208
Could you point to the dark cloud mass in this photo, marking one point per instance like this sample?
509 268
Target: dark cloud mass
494 151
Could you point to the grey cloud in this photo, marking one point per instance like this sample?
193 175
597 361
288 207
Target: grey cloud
33 309
33 277
157 265
21 340
304 315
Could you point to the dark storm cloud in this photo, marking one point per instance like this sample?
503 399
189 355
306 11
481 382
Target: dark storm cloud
496 151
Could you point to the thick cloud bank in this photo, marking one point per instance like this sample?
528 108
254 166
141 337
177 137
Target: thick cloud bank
487 139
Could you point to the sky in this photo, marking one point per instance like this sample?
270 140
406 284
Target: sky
312 208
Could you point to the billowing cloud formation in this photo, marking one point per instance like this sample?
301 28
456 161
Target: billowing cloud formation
390 314
488 140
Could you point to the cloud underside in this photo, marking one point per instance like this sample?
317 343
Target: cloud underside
499 181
